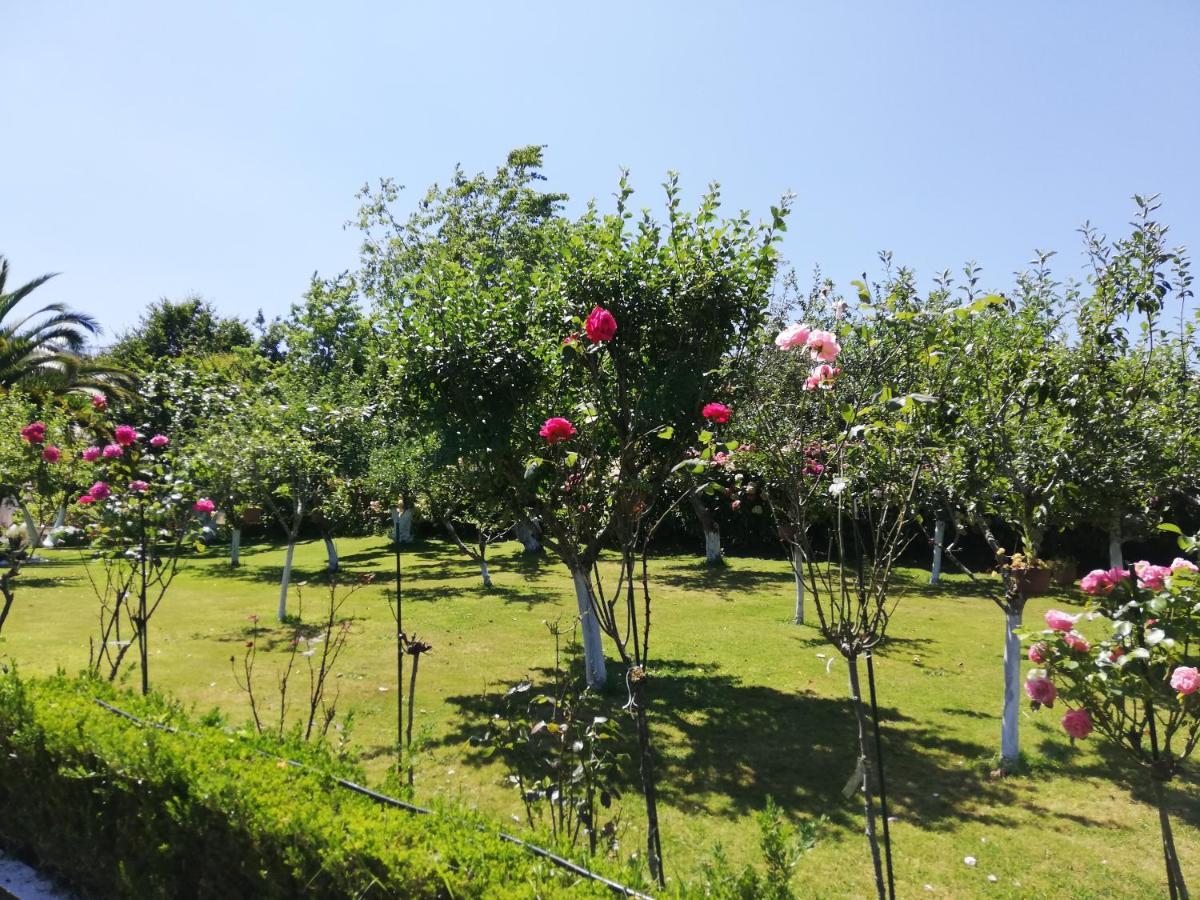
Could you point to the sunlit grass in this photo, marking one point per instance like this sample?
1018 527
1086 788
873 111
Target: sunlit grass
747 705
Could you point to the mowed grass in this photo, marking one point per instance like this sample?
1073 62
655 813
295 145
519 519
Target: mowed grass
747 705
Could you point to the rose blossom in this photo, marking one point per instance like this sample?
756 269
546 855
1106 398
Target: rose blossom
204 505
1077 723
91 454
1059 620
112 451
86 499
51 454
1179 564
1150 577
125 435
1037 652
821 376
823 346
1096 582
557 429
159 441
1041 690
600 325
99 491
34 433
716 412
1186 679
1077 641
100 402
794 337
138 486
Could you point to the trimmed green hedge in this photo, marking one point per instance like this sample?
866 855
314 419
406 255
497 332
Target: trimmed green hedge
119 810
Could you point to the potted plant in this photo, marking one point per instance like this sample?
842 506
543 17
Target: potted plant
1032 576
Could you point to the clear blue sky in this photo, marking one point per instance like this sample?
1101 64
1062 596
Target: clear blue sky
155 149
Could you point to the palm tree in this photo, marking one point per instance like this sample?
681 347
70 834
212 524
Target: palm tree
42 352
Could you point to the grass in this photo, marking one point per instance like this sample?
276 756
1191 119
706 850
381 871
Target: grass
747 705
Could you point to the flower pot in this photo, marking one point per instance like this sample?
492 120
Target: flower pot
252 515
1033 582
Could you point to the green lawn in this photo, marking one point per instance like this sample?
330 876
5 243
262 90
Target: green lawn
747 705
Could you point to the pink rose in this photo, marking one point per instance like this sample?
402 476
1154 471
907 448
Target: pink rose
99 491
1150 577
716 412
51 454
112 451
812 468
821 376
1077 641
1117 575
1077 723
1037 653
100 402
793 337
1179 564
91 454
720 459
85 500
1059 620
125 435
823 345
204 505
34 433
159 441
1041 690
1097 582
1186 679
556 430
600 325
138 486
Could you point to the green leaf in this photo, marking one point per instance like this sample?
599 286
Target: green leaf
706 437
1168 526
667 432
572 458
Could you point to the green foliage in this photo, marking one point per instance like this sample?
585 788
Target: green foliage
202 813
783 846
170 329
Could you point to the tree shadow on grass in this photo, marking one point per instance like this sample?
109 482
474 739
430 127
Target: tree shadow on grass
1117 767
725 746
699 576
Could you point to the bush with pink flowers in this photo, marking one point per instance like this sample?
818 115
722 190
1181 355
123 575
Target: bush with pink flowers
1136 684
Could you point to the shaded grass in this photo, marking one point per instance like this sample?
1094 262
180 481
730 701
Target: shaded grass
745 705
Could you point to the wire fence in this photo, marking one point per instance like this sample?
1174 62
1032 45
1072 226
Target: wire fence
385 800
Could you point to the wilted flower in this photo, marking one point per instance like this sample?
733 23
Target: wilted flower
34 433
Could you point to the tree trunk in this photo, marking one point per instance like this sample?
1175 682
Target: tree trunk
235 547
1116 558
589 626
798 572
712 531
331 555
939 540
1176 886
286 580
864 760
1010 743
32 534
60 519
529 535
484 573
402 523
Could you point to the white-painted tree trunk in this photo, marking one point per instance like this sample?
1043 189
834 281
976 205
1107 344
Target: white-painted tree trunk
1116 558
939 540
402 523
593 648
527 533
712 546
798 572
484 573
286 580
31 529
235 547
1010 744
60 519
331 555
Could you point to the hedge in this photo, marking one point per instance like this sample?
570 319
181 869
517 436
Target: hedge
118 810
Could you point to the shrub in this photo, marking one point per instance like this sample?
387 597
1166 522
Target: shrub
119 810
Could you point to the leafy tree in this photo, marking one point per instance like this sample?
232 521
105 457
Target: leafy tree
43 351
170 329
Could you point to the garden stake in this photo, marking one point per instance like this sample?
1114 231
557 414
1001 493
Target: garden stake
883 803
